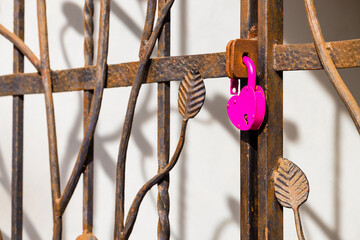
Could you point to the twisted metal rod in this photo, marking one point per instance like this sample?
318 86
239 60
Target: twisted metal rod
88 32
329 66
101 75
88 177
23 48
120 171
163 146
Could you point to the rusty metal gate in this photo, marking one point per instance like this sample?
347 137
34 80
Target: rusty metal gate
261 23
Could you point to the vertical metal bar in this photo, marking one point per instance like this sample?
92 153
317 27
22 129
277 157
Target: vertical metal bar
270 138
248 144
249 18
88 177
50 118
18 126
261 215
163 201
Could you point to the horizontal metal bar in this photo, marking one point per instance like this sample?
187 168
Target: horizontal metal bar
345 54
119 75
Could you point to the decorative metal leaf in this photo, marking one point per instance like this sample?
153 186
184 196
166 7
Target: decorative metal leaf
191 94
291 185
291 190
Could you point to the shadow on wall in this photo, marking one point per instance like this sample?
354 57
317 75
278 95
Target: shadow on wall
339 21
73 14
29 228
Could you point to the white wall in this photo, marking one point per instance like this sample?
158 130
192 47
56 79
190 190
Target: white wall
318 132
205 185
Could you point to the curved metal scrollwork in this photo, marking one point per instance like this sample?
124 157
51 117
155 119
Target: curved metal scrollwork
329 66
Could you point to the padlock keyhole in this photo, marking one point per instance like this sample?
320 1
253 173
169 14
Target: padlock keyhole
246 119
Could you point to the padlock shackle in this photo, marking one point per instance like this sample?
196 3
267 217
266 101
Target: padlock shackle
250 66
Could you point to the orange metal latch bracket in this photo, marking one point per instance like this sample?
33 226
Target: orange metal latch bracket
235 50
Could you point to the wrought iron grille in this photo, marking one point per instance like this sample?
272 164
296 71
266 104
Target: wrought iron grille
262 20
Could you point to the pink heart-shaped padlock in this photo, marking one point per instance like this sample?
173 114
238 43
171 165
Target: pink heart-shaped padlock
247 110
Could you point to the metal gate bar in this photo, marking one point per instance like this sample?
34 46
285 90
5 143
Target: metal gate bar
261 215
163 146
17 132
270 137
88 177
288 57
248 143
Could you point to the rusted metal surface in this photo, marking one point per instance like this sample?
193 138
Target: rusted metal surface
235 50
88 177
101 66
249 19
229 56
270 136
19 43
290 57
119 75
248 143
50 117
329 66
149 24
60 201
261 214
163 146
291 189
191 94
17 132
86 236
